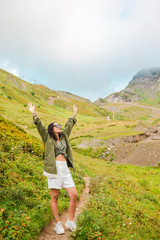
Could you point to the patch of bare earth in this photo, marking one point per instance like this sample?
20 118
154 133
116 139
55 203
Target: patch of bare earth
48 232
140 150
141 154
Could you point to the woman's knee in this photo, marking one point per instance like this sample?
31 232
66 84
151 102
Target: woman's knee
54 196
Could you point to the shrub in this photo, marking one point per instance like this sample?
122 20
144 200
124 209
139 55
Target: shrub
9 98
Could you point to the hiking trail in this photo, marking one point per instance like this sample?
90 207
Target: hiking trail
48 233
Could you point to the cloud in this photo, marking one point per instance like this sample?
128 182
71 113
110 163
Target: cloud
81 45
6 65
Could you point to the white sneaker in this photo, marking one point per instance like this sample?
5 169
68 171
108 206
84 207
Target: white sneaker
59 228
71 225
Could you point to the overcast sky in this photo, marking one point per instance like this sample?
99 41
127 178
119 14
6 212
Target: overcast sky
87 47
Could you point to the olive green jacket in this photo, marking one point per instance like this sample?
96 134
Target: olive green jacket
50 169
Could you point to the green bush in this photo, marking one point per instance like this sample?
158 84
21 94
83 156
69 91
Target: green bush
9 98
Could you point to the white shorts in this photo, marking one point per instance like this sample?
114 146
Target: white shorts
64 178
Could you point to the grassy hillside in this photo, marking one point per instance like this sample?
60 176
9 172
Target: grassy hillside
132 111
91 117
16 93
124 202
24 195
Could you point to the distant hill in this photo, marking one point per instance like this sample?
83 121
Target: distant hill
9 80
15 94
143 88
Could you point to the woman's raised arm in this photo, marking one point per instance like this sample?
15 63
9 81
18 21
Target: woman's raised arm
71 121
31 108
40 127
74 110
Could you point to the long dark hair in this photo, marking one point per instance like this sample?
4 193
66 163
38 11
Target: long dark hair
51 132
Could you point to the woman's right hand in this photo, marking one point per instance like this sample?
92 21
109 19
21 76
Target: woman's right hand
31 107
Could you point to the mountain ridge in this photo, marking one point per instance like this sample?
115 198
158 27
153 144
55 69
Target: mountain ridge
14 81
144 87
50 104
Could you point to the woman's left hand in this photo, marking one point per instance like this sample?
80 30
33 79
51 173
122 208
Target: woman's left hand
74 110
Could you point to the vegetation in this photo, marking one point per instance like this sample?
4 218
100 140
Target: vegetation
133 112
24 195
124 202
101 100
146 97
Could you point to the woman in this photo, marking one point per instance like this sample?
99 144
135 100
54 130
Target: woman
58 158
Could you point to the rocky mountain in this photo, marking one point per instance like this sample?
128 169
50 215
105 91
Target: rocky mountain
144 87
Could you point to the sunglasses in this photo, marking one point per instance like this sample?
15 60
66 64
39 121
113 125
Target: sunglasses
57 125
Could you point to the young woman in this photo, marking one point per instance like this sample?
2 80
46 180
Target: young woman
58 158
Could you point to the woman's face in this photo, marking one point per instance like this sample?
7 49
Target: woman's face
56 128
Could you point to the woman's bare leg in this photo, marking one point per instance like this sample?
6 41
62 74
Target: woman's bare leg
72 193
54 203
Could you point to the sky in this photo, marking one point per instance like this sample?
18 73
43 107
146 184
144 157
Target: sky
90 48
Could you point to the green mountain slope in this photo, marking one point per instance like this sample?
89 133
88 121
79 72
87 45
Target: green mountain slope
24 195
124 199
50 105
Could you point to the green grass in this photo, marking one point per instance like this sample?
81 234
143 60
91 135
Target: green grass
124 202
145 96
134 113
24 195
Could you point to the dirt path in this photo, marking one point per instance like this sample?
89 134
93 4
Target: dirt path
48 232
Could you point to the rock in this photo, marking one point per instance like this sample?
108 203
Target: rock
146 83
141 127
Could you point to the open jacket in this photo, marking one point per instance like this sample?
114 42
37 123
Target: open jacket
50 169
